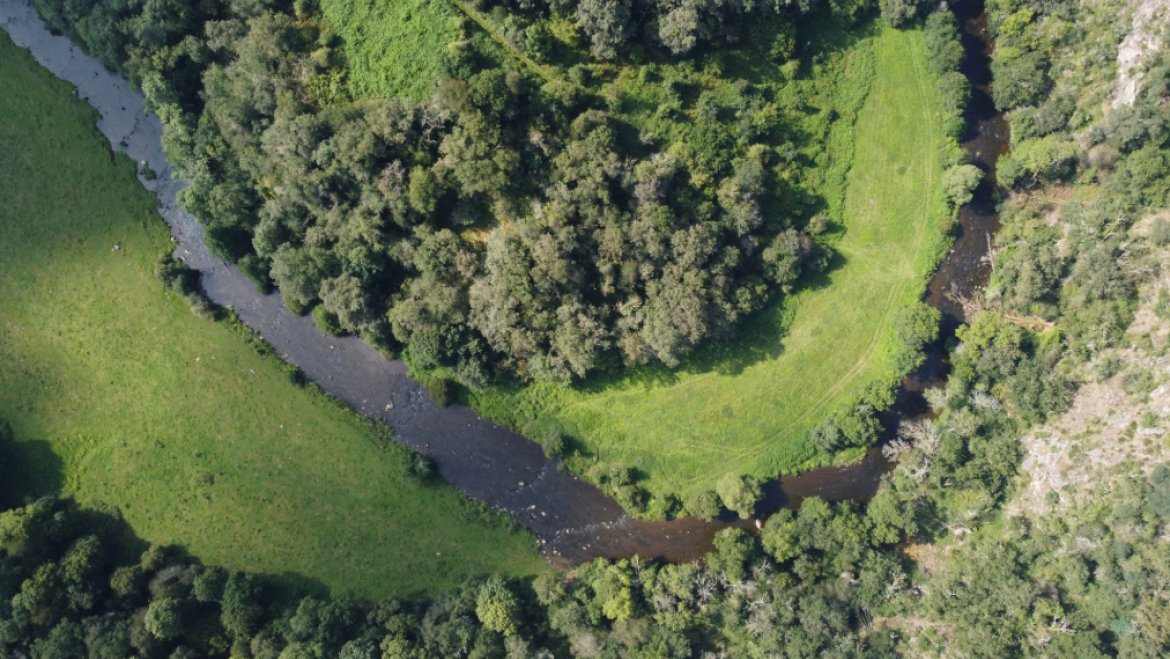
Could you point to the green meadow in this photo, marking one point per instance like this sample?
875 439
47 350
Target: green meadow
748 405
121 398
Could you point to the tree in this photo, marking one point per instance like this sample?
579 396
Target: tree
240 608
606 23
678 28
734 549
890 518
959 183
739 494
899 12
497 608
539 41
780 536
704 505
916 325
164 618
208 585
1020 80
941 34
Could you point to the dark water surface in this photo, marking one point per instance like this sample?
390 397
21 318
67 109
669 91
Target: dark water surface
573 520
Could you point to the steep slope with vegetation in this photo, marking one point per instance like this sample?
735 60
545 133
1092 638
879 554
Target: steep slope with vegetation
122 399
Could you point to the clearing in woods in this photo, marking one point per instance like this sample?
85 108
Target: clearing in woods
748 406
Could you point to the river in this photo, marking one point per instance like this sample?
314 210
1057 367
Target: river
572 519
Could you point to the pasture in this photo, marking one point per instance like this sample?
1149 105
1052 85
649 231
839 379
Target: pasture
124 400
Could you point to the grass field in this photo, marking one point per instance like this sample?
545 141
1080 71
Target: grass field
748 406
121 398
393 47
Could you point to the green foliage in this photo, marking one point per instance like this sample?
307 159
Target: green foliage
497 608
959 184
739 494
164 618
941 33
326 321
393 48
1050 158
554 444
744 402
916 326
900 12
734 551
705 505
441 390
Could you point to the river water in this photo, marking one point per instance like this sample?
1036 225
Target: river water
572 520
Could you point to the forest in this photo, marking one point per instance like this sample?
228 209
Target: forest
509 225
581 192
1013 523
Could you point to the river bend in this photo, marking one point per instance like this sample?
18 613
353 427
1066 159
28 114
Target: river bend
572 519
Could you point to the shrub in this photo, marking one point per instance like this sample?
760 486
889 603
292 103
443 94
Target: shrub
176 275
1051 158
554 445
915 326
421 467
326 321
202 306
740 494
942 41
256 270
442 390
826 437
959 184
164 618
704 505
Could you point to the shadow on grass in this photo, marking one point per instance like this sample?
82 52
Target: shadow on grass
31 470
759 338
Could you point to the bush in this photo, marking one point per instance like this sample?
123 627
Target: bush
176 275
554 445
916 326
256 270
202 306
442 390
942 41
705 505
740 494
959 184
422 468
326 321
827 438
1048 158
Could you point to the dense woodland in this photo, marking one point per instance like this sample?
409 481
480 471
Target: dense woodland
508 225
834 579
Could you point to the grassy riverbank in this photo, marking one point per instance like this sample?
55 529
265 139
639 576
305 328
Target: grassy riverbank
748 406
123 399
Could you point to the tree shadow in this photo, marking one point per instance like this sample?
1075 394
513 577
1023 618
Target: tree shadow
31 470
758 338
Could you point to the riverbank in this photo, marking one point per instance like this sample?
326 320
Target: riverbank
122 399
573 519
